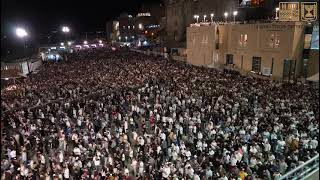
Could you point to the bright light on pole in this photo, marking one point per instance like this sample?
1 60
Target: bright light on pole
62 44
21 33
85 42
226 15
196 17
69 43
277 11
65 29
100 41
211 15
126 38
235 13
204 18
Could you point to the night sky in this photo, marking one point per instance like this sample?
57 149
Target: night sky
41 17
46 15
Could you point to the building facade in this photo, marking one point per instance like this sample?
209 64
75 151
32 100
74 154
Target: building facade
128 28
180 13
271 49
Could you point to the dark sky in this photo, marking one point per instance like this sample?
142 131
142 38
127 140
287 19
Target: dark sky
46 15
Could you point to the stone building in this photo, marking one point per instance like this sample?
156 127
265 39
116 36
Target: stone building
180 13
271 49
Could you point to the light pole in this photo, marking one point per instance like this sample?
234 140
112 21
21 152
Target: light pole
196 17
22 33
226 16
235 13
211 15
126 38
204 18
65 30
277 11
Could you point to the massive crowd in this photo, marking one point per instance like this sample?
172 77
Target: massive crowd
121 115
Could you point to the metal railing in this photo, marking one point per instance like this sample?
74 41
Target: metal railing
304 170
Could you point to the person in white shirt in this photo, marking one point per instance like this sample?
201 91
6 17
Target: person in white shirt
77 151
42 159
196 177
313 143
60 157
166 171
96 160
209 173
66 173
188 154
267 147
163 136
134 166
200 136
253 162
199 145
13 154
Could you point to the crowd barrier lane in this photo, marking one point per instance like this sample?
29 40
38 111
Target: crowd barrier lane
154 53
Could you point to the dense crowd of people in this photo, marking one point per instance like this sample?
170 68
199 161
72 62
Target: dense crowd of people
106 114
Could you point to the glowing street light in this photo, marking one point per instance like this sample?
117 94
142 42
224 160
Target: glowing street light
100 41
226 15
126 38
69 43
204 18
85 42
211 15
277 11
62 44
196 17
235 13
21 33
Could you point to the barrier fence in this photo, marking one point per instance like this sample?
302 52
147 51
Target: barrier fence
304 171
154 53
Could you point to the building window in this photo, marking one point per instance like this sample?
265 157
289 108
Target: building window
272 61
256 64
241 62
229 59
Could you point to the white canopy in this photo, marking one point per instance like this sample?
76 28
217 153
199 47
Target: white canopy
314 78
